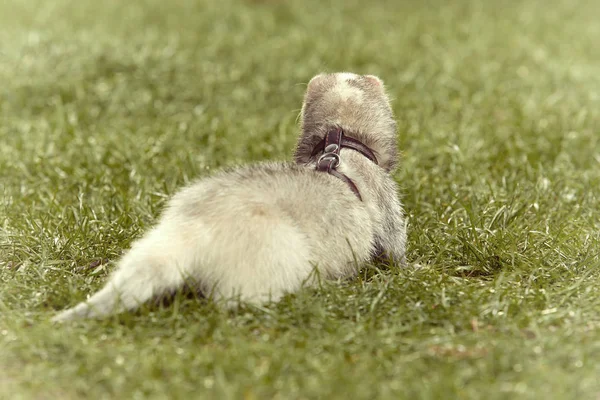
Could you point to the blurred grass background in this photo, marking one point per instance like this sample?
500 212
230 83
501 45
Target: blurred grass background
106 108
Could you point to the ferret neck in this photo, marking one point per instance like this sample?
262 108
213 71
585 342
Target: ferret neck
330 146
343 141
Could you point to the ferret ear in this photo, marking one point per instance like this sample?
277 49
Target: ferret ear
374 79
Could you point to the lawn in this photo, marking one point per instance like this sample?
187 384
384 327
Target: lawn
107 107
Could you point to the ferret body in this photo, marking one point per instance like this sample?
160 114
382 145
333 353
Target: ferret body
258 232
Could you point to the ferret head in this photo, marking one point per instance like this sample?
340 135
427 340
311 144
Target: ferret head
356 103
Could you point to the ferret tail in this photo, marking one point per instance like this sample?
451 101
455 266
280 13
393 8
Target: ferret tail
107 301
148 270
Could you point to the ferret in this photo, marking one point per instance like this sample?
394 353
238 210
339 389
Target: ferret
254 233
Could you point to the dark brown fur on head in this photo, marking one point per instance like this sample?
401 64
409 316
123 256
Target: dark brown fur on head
356 103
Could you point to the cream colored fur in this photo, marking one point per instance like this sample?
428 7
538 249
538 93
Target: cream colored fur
258 232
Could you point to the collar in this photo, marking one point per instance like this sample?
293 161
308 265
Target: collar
331 145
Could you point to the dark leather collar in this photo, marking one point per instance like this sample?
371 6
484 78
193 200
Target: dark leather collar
331 145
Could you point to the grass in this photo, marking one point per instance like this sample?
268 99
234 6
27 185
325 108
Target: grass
106 108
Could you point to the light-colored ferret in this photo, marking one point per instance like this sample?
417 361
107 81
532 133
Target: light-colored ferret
258 232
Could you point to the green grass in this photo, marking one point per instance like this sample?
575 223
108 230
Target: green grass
107 107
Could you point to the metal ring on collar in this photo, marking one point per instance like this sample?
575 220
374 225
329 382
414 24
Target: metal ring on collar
330 156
